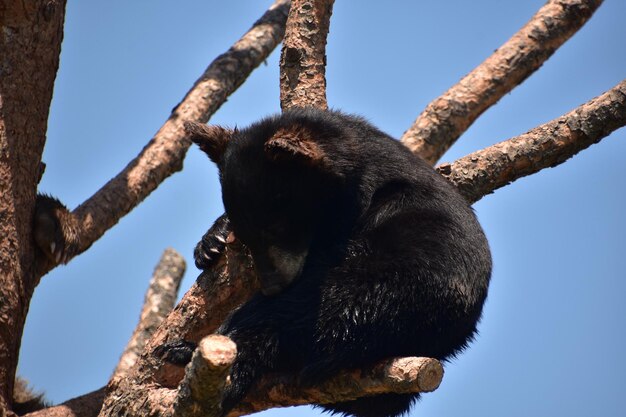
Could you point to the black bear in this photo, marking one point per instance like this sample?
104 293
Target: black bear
363 251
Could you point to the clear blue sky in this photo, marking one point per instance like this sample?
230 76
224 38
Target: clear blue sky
552 338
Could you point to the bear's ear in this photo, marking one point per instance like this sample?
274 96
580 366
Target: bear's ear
211 139
295 143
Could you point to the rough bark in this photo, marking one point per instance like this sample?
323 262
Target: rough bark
548 145
448 116
164 154
303 57
158 303
30 43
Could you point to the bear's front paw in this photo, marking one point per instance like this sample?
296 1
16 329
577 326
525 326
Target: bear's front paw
213 243
55 230
177 353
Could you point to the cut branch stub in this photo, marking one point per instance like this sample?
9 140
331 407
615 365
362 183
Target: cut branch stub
200 392
303 57
448 116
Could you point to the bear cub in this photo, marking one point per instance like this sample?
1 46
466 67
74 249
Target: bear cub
363 252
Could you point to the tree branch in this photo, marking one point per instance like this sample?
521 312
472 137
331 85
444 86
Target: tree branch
548 145
401 375
448 116
164 154
303 57
158 303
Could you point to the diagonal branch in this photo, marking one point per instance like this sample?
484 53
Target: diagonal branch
448 116
164 154
548 145
303 58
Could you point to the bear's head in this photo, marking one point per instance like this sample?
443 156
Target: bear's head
284 188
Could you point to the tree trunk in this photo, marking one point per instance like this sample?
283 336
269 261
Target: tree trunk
30 43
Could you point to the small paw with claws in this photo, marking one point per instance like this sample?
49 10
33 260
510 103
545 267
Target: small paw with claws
55 230
213 243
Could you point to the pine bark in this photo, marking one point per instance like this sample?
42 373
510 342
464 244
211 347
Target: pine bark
303 57
30 43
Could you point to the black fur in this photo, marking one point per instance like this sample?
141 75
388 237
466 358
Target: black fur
55 230
365 251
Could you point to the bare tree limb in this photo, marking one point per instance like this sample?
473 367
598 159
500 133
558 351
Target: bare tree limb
548 145
448 116
30 41
402 375
303 57
164 154
158 303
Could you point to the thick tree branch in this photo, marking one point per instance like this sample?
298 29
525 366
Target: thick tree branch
548 145
303 57
30 41
164 154
402 375
158 303
447 117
